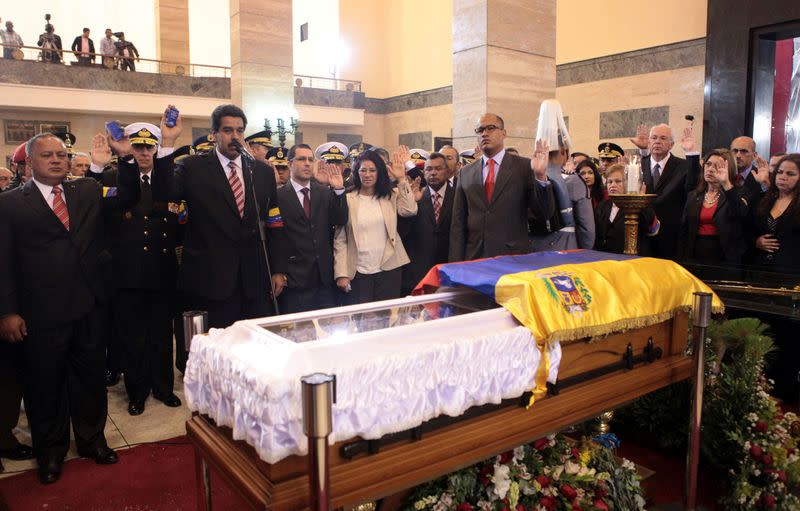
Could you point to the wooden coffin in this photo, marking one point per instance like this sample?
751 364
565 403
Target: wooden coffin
471 438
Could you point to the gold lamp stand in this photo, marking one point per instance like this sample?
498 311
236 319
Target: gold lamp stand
631 205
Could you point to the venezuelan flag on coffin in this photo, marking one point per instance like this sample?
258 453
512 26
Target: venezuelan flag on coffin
573 294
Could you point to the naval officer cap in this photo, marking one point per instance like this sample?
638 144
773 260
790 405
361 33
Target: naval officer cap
468 156
279 156
181 153
203 144
356 149
68 139
262 137
143 133
610 150
332 152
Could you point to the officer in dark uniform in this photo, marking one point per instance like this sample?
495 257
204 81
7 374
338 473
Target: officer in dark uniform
143 242
260 144
610 154
203 144
180 303
278 157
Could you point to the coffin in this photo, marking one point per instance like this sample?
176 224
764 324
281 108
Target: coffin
243 384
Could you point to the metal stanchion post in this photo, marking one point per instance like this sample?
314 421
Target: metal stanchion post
319 394
194 323
701 314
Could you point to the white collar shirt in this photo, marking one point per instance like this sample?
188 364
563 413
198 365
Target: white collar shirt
47 192
298 190
498 159
661 164
224 161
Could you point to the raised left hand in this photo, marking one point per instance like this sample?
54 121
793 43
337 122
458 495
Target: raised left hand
540 159
279 281
416 189
687 142
170 135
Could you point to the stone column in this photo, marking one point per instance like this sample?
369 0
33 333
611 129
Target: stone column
261 62
172 36
504 62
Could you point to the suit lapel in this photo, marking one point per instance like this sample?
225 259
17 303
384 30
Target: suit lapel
219 179
295 209
503 175
666 173
317 197
38 204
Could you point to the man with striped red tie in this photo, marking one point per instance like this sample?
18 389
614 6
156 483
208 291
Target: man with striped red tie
228 194
53 282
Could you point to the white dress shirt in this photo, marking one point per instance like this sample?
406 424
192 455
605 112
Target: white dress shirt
498 159
298 190
47 192
224 161
661 165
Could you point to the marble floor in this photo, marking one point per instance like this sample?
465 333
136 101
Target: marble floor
158 422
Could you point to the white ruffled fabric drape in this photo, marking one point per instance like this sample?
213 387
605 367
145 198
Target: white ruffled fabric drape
247 380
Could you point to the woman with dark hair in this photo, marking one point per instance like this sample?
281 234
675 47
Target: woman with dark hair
609 222
776 220
368 251
711 226
591 176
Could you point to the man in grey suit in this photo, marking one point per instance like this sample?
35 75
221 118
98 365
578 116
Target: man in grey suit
494 195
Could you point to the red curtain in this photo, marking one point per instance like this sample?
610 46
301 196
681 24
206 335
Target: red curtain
784 51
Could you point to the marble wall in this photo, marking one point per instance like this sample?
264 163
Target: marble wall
26 72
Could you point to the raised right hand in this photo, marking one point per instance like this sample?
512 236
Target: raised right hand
101 152
642 136
13 328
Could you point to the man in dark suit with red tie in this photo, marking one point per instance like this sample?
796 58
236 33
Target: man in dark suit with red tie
310 211
53 282
493 196
427 239
223 269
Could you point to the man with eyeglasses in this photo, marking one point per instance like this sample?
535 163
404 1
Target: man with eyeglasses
752 172
311 209
494 195
671 178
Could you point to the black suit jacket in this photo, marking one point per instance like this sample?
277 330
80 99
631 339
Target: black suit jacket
732 212
76 47
142 239
610 236
426 241
676 180
310 241
50 276
221 250
499 227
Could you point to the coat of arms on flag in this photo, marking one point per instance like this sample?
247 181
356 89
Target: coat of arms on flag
569 290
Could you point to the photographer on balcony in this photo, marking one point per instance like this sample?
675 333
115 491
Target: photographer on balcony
126 52
50 43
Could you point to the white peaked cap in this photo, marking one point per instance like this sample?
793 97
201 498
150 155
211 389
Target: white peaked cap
552 128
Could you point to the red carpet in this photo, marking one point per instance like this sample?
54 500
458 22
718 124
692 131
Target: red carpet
161 476
152 477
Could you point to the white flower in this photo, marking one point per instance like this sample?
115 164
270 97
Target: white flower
628 465
501 480
519 452
557 472
484 505
640 502
571 467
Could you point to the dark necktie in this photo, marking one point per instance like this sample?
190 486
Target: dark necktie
489 184
306 202
146 202
739 181
656 174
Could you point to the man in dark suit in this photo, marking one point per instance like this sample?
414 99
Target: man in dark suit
310 211
493 197
223 268
428 236
83 48
143 240
755 180
54 281
671 178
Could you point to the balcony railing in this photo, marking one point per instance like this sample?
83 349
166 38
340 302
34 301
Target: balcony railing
320 82
143 65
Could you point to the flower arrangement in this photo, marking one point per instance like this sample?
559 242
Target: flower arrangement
551 474
768 473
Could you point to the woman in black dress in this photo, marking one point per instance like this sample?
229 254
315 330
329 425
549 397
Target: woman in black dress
776 222
609 221
587 170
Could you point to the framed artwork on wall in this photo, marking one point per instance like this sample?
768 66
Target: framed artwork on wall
17 132
53 127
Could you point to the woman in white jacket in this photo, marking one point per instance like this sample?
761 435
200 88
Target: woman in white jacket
368 252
